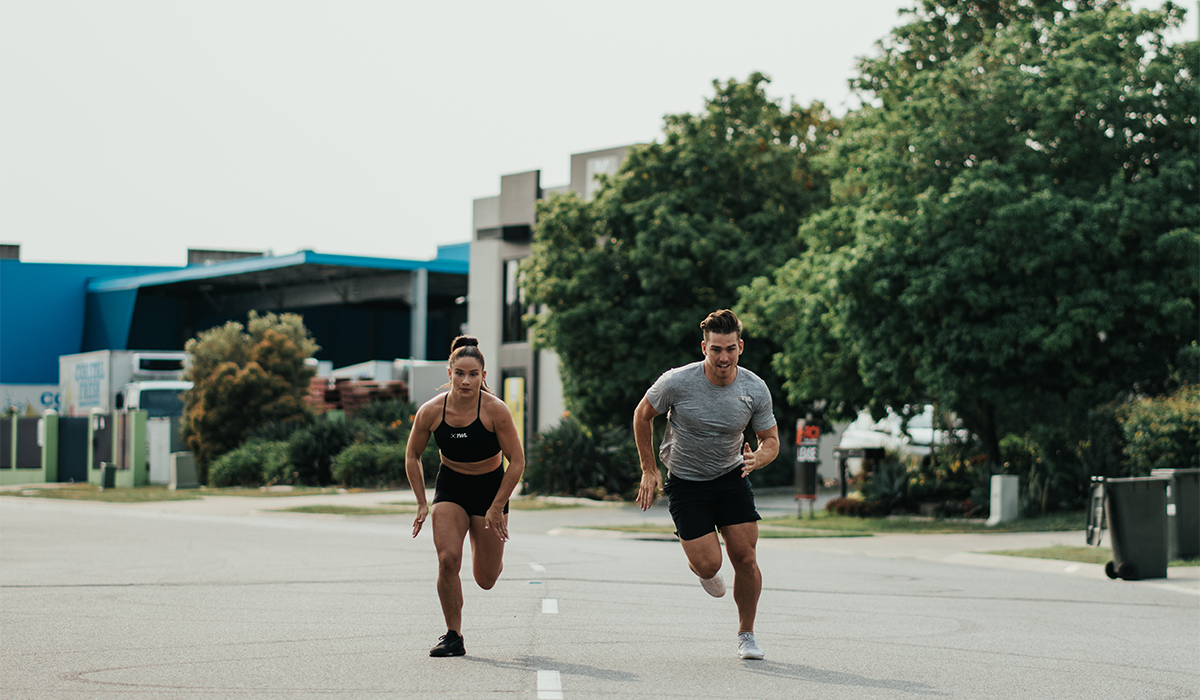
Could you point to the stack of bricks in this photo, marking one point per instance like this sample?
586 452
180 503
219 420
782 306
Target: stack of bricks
317 388
327 394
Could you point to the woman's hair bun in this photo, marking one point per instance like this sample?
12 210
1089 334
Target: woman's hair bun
463 341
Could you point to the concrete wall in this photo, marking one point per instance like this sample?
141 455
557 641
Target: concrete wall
585 166
549 391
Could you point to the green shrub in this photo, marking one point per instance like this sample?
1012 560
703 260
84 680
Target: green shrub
1053 477
281 431
568 460
371 433
367 465
255 463
1162 433
244 377
888 485
312 449
1100 450
856 506
393 414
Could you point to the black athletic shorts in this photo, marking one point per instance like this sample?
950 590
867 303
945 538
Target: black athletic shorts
699 507
474 493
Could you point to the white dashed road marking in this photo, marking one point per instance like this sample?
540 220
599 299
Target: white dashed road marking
549 685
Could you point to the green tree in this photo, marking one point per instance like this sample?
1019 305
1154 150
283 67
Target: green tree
627 277
245 377
1014 225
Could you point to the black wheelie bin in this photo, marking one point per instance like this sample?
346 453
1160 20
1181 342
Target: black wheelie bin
1136 511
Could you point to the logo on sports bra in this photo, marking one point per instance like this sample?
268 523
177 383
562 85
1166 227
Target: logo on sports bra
458 435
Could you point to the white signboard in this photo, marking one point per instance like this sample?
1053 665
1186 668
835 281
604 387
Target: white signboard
29 399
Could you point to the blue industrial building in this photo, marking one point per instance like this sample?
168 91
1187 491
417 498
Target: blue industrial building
357 308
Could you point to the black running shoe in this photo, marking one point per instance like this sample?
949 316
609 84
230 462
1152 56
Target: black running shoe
449 644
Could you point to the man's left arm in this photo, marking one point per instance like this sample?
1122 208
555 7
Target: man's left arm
768 450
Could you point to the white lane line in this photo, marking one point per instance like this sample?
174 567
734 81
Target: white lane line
550 605
536 566
549 685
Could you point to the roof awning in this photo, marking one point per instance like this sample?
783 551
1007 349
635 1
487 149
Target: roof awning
303 279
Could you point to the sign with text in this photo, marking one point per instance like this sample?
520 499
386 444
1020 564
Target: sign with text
808 438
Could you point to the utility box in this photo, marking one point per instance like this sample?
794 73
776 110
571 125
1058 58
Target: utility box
1006 499
183 471
424 378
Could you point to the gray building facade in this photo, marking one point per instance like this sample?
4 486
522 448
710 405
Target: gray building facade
527 379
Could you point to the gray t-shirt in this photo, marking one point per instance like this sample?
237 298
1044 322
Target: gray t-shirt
705 422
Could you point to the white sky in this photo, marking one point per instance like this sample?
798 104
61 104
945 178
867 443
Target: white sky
133 130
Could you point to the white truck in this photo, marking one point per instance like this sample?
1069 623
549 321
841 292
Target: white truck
116 380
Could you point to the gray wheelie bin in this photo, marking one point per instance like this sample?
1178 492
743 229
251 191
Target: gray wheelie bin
1183 511
1136 511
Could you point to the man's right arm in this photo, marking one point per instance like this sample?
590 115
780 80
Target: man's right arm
643 432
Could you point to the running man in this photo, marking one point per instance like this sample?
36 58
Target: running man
709 404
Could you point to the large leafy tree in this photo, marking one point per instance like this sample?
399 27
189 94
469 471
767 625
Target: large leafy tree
243 378
626 278
1014 229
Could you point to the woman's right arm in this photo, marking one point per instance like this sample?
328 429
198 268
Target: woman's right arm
418 440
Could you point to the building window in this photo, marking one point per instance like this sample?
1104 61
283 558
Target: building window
606 165
514 303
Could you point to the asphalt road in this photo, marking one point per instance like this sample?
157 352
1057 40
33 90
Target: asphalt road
179 601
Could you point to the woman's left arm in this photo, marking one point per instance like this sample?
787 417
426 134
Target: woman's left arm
510 446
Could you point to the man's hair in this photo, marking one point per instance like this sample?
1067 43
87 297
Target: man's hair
721 322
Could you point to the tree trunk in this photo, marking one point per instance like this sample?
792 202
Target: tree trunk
981 419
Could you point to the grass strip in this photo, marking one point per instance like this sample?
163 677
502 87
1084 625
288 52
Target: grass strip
823 520
539 504
514 504
795 533
91 492
272 492
1083 555
348 510
159 492
768 532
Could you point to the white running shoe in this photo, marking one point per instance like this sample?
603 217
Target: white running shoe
714 586
747 647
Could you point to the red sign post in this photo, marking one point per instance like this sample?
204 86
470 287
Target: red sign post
807 442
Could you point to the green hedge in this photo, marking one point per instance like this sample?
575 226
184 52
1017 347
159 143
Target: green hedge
1163 433
255 463
568 460
366 465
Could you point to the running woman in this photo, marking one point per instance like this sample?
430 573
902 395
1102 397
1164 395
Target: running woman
474 429
709 405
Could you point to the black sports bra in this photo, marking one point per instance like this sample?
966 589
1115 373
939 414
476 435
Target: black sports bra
474 443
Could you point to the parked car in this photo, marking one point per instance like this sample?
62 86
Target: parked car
890 433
